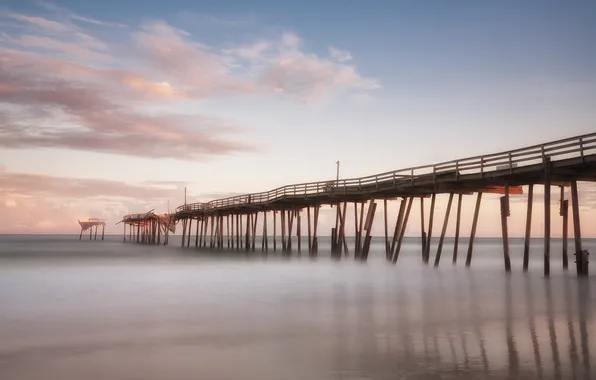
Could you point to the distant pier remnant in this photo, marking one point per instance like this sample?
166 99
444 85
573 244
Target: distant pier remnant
90 224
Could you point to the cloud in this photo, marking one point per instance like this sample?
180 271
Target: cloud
340 55
64 86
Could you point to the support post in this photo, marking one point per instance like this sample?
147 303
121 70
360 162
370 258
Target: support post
283 230
342 230
581 260
422 228
103 230
528 227
254 230
387 251
189 231
309 231
457 226
274 230
473 232
547 182
315 239
397 230
504 215
368 227
298 230
443 231
430 227
197 233
403 230
564 212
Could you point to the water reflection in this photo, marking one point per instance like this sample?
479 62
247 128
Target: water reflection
196 318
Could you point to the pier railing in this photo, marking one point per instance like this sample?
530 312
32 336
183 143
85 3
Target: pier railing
575 147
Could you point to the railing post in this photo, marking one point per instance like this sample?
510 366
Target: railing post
377 182
360 185
481 167
457 170
510 163
434 174
581 148
394 179
411 177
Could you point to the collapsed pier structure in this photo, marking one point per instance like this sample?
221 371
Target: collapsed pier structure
149 227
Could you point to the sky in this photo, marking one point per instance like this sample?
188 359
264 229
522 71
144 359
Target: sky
114 107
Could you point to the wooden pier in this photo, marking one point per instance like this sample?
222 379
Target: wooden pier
231 223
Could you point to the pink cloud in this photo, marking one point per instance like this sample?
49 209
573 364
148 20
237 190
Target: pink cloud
80 102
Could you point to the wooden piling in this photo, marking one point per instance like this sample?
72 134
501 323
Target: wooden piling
290 216
103 230
564 212
528 227
238 231
430 227
298 230
368 227
547 189
473 232
315 239
360 229
504 229
443 230
274 230
247 235
457 227
309 230
189 231
580 264
254 230
387 251
283 230
402 233
422 228
342 230
228 230
397 230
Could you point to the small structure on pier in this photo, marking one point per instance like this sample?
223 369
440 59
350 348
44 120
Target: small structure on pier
149 227
90 224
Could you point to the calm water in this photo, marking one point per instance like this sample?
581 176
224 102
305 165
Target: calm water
110 310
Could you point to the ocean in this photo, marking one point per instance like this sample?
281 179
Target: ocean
73 309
